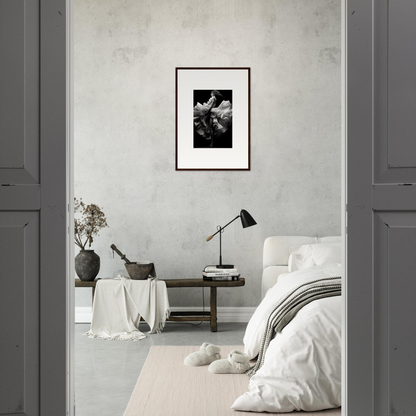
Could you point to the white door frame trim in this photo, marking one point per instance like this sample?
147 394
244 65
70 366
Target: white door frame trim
344 199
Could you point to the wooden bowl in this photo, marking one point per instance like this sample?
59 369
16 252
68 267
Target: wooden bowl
139 271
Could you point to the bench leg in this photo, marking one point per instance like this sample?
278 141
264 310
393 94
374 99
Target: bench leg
213 309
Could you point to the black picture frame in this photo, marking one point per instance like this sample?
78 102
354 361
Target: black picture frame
212 118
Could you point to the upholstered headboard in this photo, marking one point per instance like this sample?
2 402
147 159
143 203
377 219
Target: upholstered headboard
276 252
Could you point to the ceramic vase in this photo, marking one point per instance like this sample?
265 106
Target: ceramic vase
87 265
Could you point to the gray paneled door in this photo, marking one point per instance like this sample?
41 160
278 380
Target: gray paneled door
33 208
381 207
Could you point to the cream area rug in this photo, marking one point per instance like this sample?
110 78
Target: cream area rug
167 387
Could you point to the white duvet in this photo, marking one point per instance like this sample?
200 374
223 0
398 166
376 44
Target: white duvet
302 366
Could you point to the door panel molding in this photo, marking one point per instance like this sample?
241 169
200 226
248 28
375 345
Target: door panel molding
394 311
401 84
19 257
19 89
394 101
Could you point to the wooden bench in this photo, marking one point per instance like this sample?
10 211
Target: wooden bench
177 283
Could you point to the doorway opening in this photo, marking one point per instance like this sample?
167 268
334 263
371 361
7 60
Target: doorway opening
124 156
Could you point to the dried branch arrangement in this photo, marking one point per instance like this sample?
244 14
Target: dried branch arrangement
91 221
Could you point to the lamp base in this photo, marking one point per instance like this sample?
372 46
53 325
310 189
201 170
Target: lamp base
225 266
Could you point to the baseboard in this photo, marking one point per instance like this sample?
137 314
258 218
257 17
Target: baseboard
224 314
83 314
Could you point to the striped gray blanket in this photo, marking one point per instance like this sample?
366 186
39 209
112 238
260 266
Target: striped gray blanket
287 308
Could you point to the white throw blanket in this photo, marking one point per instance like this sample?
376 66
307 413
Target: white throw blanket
119 303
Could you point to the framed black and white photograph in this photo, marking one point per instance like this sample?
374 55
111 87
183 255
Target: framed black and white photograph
212 118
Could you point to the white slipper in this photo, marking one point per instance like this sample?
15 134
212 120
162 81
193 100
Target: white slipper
207 354
236 363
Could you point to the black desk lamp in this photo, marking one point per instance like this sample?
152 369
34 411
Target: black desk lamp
246 221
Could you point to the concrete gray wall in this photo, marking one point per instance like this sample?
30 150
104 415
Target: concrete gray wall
125 59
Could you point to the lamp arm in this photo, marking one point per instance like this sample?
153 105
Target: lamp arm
221 228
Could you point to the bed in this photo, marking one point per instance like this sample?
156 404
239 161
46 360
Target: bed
276 253
295 332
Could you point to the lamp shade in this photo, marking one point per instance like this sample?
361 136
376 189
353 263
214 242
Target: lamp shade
246 219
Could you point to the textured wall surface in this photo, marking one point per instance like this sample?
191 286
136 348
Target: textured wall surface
125 58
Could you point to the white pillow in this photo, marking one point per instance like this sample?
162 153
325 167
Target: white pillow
290 264
326 253
300 257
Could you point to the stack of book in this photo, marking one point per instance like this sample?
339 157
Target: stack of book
216 273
